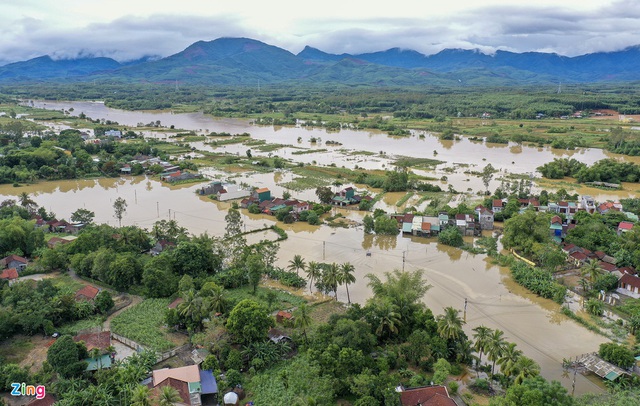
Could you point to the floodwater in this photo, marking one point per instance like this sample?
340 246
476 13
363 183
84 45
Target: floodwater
493 299
512 157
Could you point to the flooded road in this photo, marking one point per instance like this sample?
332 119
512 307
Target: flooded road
494 300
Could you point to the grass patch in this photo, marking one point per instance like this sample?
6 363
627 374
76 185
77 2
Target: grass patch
15 350
404 199
66 282
144 324
321 311
226 141
284 300
270 147
309 151
411 162
74 328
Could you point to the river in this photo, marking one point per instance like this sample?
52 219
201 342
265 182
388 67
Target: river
493 298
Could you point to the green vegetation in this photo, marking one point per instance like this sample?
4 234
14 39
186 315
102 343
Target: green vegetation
143 323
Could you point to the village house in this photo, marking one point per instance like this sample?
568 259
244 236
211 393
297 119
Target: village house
10 275
485 217
262 194
436 395
588 204
126 169
629 285
283 316
161 246
497 205
624 227
609 206
14 261
87 293
195 387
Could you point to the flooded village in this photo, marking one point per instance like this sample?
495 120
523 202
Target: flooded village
199 200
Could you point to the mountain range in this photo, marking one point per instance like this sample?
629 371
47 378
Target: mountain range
244 61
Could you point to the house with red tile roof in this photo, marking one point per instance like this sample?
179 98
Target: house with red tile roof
436 395
10 275
624 227
629 285
283 316
101 340
87 293
14 261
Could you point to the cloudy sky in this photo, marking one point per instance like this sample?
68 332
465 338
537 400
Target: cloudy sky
130 29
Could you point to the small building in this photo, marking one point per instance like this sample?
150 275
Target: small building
436 395
161 246
100 341
277 336
485 218
262 194
14 261
113 133
624 227
126 169
497 205
348 193
283 316
212 188
629 285
195 387
87 293
10 275
588 204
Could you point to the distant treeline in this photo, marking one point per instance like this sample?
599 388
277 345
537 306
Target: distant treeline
407 103
605 170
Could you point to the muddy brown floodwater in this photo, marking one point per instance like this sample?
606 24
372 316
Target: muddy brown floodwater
493 299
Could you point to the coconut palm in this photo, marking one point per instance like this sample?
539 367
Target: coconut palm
450 324
297 263
314 272
191 308
592 269
331 278
495 347
347 277
140 396
388 319
524 368
169 396
481 335
302 319
508 359
25 200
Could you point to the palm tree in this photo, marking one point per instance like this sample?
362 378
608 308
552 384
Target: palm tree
388 318
95 354
347 277
525 367
495 347
331 277
169 396
509 358
297 263
481 335
140 396
314 271
25 200
450 324
191 308
302 319
592 269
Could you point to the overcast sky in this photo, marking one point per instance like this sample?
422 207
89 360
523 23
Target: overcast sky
130 29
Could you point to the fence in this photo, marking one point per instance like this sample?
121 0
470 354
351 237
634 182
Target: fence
128 342
171 353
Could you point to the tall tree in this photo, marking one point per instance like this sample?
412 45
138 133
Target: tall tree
481 336
140 396
302 319
450 324
508 359
83 216
314 272
119 208
495 347
525 368
387 318
331 278
169 396
249 321
347 277
296 264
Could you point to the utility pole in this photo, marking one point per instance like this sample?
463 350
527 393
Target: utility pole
465 309
403 261
324 243
169 214
158 208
